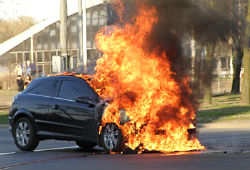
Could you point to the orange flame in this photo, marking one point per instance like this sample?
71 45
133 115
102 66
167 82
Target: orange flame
142 83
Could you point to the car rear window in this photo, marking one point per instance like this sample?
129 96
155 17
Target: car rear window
45 88
72 90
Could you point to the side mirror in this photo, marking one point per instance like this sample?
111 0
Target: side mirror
85 100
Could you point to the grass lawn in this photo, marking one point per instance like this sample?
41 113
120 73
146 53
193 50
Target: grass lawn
4 118
224 108
6 97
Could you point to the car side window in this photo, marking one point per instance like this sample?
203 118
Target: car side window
47 88
72 90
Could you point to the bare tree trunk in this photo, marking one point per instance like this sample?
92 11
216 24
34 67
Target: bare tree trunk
245 97
237 62
207 82
197 69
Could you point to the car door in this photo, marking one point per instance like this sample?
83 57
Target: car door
37 98
70 117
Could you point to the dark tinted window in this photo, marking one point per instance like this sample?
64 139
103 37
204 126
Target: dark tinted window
46 88
72 90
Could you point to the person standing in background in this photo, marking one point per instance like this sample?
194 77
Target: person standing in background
20 83
27 81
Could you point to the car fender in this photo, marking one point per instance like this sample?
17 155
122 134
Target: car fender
22 113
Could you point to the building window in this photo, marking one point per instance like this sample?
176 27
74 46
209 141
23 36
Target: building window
19 58
73 28
52 33
27 56
53 46
39 56
95 18
102 17
47 69
74 45
74 52
53 53
88 16
45 46
39 46
40 70
13 58
88 44
46 56
94 45
34 57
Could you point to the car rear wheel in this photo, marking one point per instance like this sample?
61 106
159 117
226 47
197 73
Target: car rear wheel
85 145
112 138
24 134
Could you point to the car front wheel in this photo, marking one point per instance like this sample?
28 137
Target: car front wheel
112 138
24 134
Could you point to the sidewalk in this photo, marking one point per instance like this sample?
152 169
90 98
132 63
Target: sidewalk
231 125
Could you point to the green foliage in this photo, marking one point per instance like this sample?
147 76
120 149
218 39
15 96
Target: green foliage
224 108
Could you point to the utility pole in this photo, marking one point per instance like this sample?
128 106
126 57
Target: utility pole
82 61
63 32
31 49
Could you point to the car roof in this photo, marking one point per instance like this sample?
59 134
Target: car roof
59 77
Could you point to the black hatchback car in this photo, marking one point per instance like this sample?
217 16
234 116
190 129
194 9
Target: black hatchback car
61 107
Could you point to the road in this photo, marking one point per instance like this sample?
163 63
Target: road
228 148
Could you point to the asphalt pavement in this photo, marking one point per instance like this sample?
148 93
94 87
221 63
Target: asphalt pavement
228 148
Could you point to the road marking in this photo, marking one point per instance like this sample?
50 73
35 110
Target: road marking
9 153
60 148
41 150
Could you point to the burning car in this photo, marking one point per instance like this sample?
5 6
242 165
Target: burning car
60 107
64 107
152 107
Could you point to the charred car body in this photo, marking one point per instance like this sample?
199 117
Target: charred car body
64 108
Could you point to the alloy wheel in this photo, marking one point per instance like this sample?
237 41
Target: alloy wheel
23 133
110 136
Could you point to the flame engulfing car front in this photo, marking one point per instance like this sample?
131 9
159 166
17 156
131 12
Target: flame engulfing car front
110 135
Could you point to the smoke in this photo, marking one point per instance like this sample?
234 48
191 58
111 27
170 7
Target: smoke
177 18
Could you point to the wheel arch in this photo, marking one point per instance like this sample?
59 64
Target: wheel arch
23 113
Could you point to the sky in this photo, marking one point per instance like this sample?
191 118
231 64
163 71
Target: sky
38 9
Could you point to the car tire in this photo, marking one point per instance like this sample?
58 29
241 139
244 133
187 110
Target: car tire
24 134
85 145
112 138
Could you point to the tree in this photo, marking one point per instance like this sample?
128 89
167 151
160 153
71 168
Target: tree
237 46
237 51
210 46
197 68
245 97
208 73
12 27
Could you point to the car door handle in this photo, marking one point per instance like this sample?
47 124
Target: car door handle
56 106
